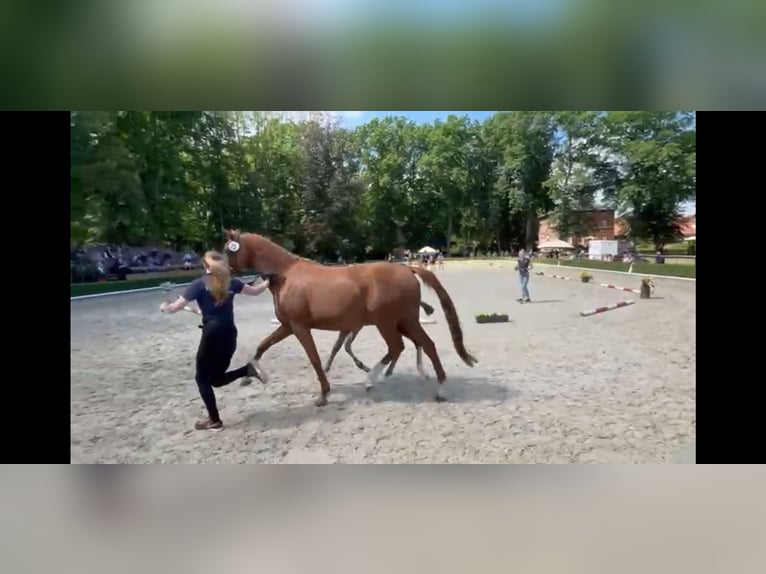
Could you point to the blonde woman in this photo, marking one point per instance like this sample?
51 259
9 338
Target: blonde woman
214 293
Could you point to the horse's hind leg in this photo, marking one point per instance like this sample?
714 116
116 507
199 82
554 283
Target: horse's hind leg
421 370
390 369
393 339
357 362
335 348
419 350
415 331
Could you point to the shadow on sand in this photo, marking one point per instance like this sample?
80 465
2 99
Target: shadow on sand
397 388
408 388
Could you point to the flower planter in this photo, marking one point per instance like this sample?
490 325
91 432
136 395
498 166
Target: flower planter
493 318
646 290
585 279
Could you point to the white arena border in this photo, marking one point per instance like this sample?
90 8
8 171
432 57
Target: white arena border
594 270
164 286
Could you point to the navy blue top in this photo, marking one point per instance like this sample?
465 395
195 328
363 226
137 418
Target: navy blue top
198 292
524 265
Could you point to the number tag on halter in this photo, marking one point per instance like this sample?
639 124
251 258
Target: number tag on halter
232 246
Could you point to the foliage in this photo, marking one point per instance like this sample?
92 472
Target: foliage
180 178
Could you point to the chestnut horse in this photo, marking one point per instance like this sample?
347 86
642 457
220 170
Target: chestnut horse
308 296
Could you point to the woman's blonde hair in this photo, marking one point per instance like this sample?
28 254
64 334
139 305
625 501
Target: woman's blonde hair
218 278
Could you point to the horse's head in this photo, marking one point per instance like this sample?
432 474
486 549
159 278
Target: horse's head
253 251
236 250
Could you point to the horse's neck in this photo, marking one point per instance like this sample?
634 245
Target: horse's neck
274 259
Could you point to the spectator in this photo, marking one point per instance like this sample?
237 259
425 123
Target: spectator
659 257
523 266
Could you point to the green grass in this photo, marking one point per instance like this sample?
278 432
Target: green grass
679 260
670 249
672 269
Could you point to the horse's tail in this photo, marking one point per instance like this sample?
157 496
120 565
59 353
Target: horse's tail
427 308
449 311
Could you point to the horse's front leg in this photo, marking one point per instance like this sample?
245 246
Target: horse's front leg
280 334
303 334
341 337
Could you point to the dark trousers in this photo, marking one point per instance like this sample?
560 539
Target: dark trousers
216 348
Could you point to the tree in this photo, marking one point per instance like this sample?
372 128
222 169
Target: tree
654 155
445 169
574 178
179 178
525 141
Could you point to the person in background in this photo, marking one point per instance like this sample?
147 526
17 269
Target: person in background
214 293
523 266
659 257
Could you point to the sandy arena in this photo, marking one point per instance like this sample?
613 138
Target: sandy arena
550 386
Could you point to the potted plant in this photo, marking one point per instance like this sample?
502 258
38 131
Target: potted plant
647 287
585 277
491 318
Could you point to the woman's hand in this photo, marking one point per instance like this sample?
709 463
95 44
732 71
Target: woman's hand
253 290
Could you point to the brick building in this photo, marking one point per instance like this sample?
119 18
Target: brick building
688 227
600 225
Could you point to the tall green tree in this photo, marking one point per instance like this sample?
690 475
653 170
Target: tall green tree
575 172
525 140
445 168
654 154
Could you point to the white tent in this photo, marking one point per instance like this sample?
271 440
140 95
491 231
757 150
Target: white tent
555 244
427 249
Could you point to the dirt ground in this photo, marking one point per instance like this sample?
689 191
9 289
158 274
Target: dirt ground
550 386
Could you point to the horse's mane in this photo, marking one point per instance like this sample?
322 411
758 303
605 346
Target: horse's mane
237 235
267 240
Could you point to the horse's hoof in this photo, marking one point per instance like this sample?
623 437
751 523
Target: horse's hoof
245 381
255 370
368 388
440 399
321 401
